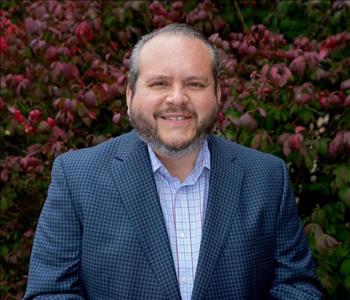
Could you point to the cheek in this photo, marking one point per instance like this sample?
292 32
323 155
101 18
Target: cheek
206 108
143 108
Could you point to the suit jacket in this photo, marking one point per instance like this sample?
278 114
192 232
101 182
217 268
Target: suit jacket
101 233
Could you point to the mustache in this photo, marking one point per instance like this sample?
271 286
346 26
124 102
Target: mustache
170 110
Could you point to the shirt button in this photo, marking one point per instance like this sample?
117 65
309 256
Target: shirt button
182 234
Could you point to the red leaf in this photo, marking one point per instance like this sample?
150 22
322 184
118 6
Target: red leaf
92 115
282 138
347 101
2 103
17 115
59 133
345 85
90 98
280 74
116 118
4 175
51 122
51 54
323 53
336 145
3 44
286 148
33 26
221 116
346 138
299 129
295 141
248 122
298 65
29 233
84 32
34 116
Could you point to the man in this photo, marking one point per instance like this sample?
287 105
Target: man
169 211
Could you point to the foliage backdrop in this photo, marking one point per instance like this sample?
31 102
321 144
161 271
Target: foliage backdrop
286 90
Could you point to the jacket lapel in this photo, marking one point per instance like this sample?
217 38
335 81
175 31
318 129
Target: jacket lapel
224 193
134 179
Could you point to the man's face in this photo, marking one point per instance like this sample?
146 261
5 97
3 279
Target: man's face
174 105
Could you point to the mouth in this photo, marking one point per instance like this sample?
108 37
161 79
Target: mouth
177 117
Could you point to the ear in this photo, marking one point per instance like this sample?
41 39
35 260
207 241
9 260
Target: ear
128 98
218 92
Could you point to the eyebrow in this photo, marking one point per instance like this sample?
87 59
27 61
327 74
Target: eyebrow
190 78
198 78
157 77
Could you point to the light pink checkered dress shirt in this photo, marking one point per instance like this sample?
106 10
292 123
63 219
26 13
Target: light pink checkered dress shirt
183 205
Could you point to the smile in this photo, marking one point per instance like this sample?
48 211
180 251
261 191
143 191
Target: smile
175 118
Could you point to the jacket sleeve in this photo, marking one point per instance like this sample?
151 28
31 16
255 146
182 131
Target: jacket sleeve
55 259
295 275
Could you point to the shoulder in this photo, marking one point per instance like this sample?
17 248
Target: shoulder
241 152
97 156
248 158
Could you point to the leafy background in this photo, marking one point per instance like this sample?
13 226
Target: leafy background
286 90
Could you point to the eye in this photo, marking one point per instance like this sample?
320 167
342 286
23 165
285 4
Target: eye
196 84
159 83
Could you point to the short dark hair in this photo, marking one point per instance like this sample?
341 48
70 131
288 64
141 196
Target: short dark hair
174 29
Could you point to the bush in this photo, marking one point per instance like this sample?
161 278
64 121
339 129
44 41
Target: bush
286 90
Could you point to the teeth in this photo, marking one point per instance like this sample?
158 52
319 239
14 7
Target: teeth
175 118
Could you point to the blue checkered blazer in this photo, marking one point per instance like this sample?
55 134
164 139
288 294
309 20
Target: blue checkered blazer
101 233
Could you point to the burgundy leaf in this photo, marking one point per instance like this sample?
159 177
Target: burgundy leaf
298 66
84 32
32 26
116 118
248 122
286 148
336 145
295 141
282 138
34 116
2 103
90 98
51 54
345 85
347 101
3 44
299 129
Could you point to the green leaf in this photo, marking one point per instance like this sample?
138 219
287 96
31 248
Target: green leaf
345 267
342 176
232 113
7 202
322 146
344 195
3 250
308 161
347 282
306 116
342 250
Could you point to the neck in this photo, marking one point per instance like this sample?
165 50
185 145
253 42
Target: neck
179 167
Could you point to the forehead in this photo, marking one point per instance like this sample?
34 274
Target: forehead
179 54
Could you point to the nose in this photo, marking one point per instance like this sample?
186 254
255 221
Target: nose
177 96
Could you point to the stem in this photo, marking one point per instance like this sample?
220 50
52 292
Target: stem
240 15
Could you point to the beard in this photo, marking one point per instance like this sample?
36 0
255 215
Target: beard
148 131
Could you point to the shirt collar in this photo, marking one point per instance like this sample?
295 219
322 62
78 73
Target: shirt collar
202 161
